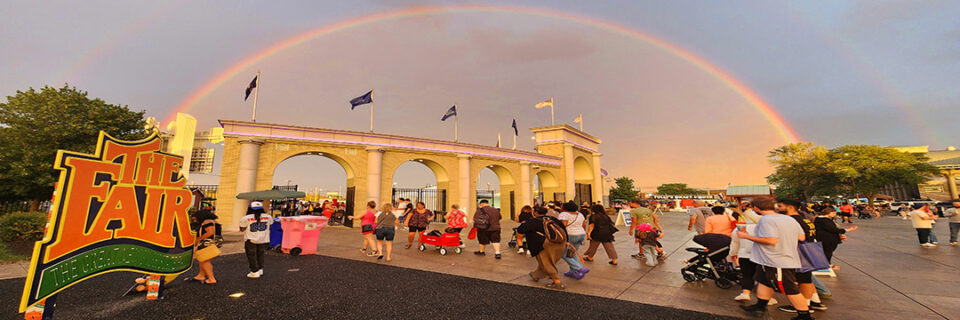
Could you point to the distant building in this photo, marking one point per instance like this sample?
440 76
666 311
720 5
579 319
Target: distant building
941 188
748 192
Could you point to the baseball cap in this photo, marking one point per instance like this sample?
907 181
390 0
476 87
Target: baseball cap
256 205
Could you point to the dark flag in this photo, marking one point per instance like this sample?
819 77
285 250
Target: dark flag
253 84
515 131
364 99
450 113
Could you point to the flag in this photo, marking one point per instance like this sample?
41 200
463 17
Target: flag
364 99
579 119
450 113
546 103
515 131
603 173
253 84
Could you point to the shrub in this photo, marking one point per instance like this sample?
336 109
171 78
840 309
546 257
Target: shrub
22 226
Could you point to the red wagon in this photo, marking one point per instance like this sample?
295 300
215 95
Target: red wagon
445 240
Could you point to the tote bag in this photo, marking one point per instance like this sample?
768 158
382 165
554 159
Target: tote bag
207 253
812 257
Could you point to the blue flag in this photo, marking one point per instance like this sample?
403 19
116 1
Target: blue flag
253 84
515 131
364 99
450 113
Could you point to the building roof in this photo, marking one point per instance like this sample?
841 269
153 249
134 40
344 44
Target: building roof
948 163
748 190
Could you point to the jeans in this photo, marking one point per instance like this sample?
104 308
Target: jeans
954 229
650 252
574 262
923 235
821 288
933 236
255 252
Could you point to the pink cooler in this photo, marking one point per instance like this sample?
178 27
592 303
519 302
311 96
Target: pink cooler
300 233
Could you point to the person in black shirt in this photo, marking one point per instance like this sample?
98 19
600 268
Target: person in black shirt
546 252
526 213
804 279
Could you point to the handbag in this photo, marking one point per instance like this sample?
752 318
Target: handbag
366 228
812 257
207 253
472 234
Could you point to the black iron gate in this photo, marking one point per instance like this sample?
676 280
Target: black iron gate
584 193
559 197
351 202
488 195
433 199
513 207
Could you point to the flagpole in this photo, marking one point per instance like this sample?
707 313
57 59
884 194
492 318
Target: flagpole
456 128
552 122
371 111
581 122
256 93
514 142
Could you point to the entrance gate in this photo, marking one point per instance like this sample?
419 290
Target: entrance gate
584 193
433 199
351 203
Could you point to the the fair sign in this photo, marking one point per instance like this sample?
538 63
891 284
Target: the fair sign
123 208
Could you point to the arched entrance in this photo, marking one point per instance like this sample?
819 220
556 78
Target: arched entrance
496 184
324 177
422 180
547 187
583 177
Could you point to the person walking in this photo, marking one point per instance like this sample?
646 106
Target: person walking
206 230
386 223
526 213
697 218
417 221
487 222
790 208
576 233
456 220
922 220
256 235
777 258
646 238
367 225
740 250
601 230
547 252
639 214
954 215
828 233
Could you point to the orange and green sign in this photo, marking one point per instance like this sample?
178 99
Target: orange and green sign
123 208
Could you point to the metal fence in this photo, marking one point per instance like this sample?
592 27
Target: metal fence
433 199
286 188
17 206
209 190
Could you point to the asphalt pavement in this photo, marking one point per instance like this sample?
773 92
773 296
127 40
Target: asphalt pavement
320 287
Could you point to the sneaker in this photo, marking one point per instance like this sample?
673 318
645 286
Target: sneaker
953 244
570 274
754 309
260 272
638 256
935 243
555 285
520 251
772 302
253 275
742 297
928 245
529 254
497 255
817 306
789 308
480 253
583 272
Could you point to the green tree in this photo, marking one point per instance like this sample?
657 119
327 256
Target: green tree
677 189
863 170
35 124
801 171
623 190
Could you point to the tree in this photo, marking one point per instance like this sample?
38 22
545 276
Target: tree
35 124
863 170
677 189
801 171
623 190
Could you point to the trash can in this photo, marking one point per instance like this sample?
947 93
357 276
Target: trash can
300 233
276 234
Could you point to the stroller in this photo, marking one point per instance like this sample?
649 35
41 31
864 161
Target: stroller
711 262
513 240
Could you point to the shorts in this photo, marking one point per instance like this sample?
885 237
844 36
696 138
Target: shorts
488 237
417 229
787 284
385 234
804 277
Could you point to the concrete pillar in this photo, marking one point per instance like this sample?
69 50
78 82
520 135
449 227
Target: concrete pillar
526 198
463 183
597 187
569 174
246 177
952 185
374 168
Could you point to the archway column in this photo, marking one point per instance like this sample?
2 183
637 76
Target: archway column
526 197
952 185
597 188
246 176
569 178
374 175
463 183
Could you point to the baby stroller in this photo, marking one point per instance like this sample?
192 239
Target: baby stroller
513 240
711 262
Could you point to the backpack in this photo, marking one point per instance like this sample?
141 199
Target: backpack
481 220
554 231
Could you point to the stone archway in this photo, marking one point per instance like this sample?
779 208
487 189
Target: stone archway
436 199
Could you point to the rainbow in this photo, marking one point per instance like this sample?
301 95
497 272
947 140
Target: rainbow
785 131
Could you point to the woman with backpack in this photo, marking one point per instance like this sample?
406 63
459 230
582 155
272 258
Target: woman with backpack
546 240
601 233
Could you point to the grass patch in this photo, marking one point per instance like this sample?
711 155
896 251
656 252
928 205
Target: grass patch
6 256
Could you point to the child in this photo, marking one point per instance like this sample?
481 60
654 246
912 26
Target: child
646 237
256 233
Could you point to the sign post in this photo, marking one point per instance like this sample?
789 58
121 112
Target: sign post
123 208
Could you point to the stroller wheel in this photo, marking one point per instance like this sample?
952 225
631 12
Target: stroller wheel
688 277
512 243
723 283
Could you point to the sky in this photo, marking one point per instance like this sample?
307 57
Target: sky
862 72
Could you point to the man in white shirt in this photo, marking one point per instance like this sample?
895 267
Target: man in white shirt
922 220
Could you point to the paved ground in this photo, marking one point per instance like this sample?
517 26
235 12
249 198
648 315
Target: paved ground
315 287
884 275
